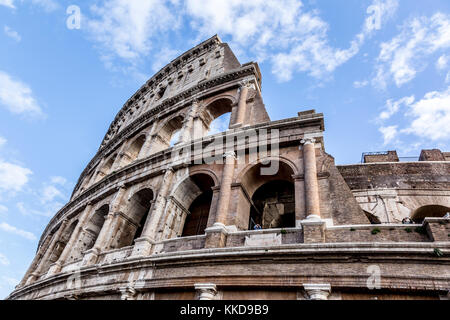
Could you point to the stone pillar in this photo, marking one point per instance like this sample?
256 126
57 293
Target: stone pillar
104 238
56 268
312 200
225 188
206 291
146 241
188 125
48 252
317 291
217 234
242 105
299 187
144 152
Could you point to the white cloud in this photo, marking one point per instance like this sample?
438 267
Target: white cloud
13 177
12 34
360 84
392 107
404 56
4 260
389 133
2 141
11 229
17 97
7 3
431 116
47 5
58 180
124 28
49 193
442 62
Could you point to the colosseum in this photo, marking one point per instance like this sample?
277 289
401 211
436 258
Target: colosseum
259 211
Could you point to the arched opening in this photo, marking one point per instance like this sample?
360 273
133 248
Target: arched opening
90 233
165 137
432 211
197 219
273 206
60 245
271 198
137 213
216 117
189 207
220 124
106 168
135 148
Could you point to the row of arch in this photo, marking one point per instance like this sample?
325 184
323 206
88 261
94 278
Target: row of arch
215 117
189 210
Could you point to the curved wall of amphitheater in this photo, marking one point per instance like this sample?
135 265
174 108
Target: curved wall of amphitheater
153 217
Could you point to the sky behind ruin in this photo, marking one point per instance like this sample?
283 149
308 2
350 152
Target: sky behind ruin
379 70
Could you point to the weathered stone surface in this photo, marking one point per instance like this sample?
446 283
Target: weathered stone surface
156 219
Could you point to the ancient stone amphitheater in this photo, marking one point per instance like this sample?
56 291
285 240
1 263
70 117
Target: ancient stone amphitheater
259 211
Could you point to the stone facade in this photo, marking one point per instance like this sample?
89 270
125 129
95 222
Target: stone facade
153 219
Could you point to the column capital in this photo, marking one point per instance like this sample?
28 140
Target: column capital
317 291
306 141
206 291
229 154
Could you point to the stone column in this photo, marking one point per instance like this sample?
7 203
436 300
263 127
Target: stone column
104 238
56 268
242 105
148 237
225 188
216 235
312 200
206 291
317 291
186 131
48 252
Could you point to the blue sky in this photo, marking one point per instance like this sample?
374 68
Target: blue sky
378 69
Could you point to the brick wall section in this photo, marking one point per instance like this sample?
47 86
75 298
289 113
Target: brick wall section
420 175
394 234
390 156
438 229
342 203
431 155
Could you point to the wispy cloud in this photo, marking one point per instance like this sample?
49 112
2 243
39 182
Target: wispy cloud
4 260
13 177
7 3
12 34
17 97
13 230
427 118
401 58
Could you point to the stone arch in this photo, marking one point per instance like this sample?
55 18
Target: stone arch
90 231
164 133
435 211
106 167
190 204
269 199
214 109
133 150
137 212
60 244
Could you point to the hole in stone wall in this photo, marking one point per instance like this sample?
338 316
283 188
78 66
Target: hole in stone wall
274 206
